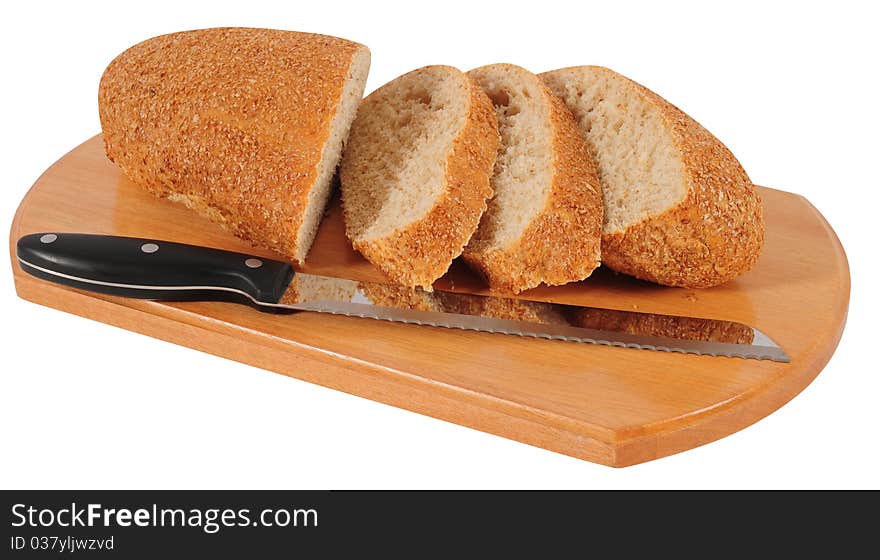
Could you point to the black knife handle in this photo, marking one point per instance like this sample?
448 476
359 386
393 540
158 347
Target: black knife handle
152 269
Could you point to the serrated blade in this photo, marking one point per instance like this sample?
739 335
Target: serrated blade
510 316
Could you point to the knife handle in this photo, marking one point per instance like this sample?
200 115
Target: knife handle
152 269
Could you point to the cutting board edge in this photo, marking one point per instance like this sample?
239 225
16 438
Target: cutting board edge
726 419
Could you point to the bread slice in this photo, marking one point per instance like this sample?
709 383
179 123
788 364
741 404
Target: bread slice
415 173
679 208
544 223
245 126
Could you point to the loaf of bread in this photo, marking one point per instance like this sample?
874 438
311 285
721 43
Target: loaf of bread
544 221
415 173
245 126
679 208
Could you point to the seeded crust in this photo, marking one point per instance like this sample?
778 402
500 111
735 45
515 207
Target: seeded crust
663 325
419 253
562 244
712 236
231 122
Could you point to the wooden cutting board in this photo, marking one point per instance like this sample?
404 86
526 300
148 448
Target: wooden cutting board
613 406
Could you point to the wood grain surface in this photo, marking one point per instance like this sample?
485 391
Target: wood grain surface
613 406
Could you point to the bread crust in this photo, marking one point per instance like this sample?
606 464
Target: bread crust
714 234
562 243
230 122
421 252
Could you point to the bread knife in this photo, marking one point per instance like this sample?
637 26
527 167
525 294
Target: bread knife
168 271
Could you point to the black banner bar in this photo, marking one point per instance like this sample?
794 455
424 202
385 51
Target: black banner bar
242 524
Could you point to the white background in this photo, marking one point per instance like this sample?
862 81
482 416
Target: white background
791 89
